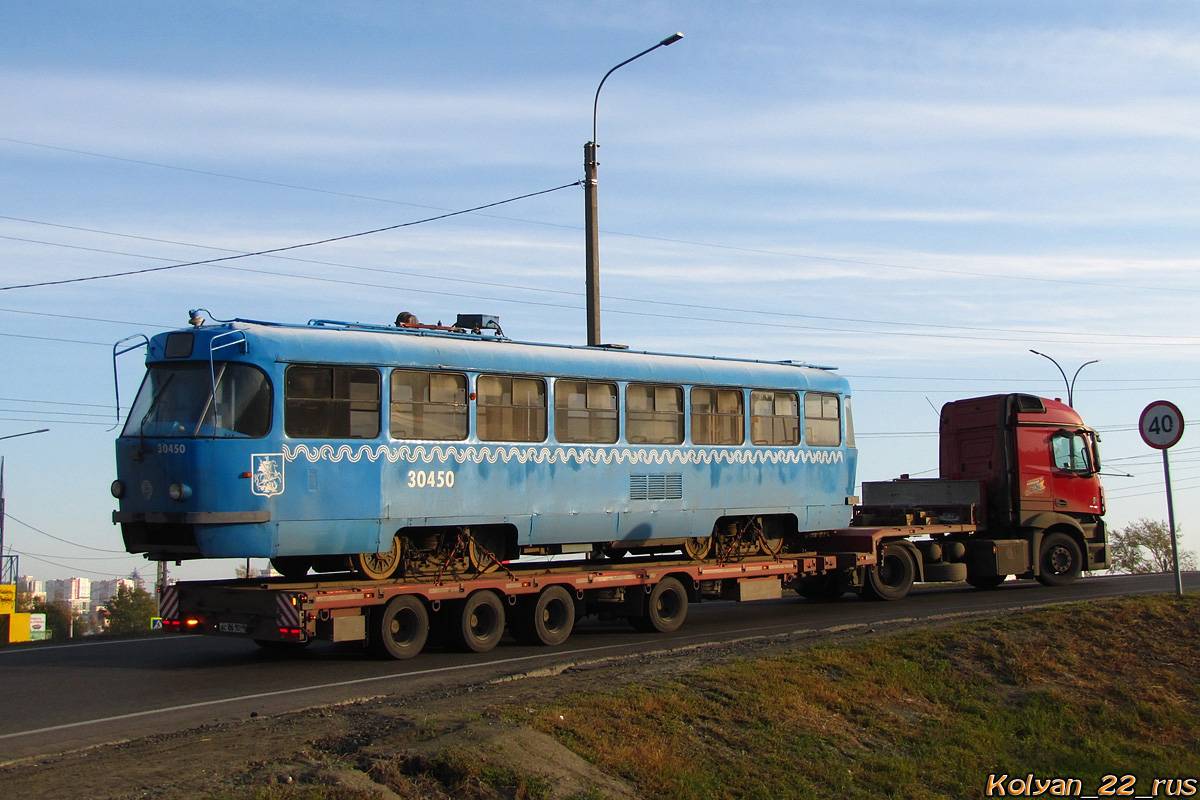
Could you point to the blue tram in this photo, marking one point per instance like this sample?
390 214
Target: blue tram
421 450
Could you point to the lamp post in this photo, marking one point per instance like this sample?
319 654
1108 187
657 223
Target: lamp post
1070 383
591 221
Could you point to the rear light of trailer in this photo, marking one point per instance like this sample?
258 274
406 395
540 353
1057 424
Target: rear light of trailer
291 634
171 625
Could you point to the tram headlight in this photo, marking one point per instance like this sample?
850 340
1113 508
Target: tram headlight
179 491
117 489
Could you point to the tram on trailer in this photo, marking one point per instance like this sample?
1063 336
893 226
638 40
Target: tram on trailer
411 450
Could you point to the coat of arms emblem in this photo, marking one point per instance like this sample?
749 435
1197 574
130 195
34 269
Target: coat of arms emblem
266 474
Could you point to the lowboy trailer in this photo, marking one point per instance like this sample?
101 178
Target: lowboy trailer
1019 495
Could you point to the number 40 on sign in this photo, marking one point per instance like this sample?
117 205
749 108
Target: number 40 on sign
1161 425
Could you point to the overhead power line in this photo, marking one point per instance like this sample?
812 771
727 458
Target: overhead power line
287 248
712 310
693 243
58 538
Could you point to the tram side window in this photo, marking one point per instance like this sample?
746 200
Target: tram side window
653 414
428 405
585 411
717 416
822 420
511 409
331 402
774 418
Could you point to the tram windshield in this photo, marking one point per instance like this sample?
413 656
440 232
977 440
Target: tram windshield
187 400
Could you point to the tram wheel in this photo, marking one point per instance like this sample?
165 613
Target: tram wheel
478 625
485 549
770 546
378 566
698 548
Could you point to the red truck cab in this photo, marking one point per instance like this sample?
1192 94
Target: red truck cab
1039 464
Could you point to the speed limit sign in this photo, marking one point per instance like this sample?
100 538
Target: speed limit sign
1161 425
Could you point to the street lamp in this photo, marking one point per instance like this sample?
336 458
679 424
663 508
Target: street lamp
26 433
1070 383
591 221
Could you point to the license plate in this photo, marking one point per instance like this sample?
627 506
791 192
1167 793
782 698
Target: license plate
233 627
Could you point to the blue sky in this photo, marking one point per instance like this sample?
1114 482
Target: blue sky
916 192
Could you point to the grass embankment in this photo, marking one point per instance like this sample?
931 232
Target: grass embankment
1082 691
1076 692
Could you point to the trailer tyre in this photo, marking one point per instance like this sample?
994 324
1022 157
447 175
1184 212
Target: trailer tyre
1060 560
945 572
545 620
479 624
666 608
893 576
399 629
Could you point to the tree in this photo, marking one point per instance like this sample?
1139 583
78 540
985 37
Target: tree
24 602
1145 546
130 610
59 618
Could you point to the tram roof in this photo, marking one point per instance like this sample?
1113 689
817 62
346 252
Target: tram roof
323 341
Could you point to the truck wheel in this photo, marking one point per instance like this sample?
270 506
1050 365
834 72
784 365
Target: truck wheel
666 608
399 629
986 581
892 577
478 625
1060 560
547 620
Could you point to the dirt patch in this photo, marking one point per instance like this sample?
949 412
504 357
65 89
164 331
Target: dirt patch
460 741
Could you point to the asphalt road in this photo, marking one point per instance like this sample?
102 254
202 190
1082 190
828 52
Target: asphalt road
63 697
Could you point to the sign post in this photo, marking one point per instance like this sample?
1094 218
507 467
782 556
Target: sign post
1161 427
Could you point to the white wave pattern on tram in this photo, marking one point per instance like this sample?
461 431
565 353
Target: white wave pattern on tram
477 454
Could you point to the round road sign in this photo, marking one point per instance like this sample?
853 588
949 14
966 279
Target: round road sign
1161 425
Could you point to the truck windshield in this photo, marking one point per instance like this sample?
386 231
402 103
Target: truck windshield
178 401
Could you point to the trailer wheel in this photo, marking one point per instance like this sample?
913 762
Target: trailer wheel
478 625
666 608
399 629
545 620
1061 560
985 581
378 566
892 577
